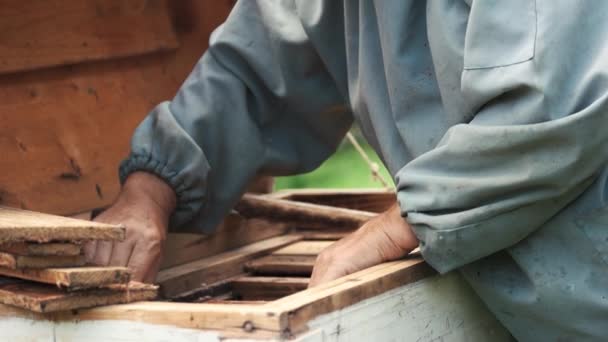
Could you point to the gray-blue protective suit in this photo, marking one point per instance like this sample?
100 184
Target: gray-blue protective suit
491 115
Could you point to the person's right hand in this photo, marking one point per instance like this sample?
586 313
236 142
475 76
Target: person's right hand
143 207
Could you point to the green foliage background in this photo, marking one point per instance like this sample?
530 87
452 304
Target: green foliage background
345 169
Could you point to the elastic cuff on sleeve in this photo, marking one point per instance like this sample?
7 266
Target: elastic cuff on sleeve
188 203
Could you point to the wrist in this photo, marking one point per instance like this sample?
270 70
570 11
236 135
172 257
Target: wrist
146 189
399 230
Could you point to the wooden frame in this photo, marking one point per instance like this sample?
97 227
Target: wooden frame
275 307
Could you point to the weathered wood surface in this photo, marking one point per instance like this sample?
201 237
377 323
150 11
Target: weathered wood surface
298 309
304 248
183 278
301 214
72 278
42 249
373 200
234 232
38 34
70 126
325 234
45 298
282 317
267 288
282 265
438 308
21 225
23 261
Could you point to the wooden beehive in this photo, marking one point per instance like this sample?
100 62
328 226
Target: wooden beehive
76 77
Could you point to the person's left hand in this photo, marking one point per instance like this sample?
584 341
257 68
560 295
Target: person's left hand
386 237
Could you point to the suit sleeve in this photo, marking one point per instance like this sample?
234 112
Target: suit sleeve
259 101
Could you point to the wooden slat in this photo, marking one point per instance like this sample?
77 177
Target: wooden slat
72 278
23 261
184 278
296 310
42 249
304 215
373 200
325 234
304 248
22 225
234 232
282 265
37 34
267 288
188 315
45 298
278 319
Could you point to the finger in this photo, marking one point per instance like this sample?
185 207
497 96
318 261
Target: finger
150 276
103 252
89 251
318 272
141 261
121 253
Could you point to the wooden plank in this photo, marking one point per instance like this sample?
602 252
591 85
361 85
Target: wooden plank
373 200
72 278
184 278
47 33
273 317
267 288
325 234
221 317
42 249
45 298
22 225
23 261
234 232
304 248
282 265
66 152
298 309
304 215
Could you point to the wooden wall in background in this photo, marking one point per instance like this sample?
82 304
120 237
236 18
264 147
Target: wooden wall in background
67 109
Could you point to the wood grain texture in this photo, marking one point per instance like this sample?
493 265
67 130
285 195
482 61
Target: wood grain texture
14 261
44 298
325 234
301 214
72 278
234 232
183 278
282 265
38 34
373 200
282 318
70 126
21 225
296 310
304 248
267 288
42 249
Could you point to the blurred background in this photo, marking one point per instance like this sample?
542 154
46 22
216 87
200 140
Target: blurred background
347 168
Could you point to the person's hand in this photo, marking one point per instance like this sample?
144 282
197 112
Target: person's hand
386 237
143 207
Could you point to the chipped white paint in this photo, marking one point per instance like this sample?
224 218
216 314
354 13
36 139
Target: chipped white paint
439 308
28 330
128 331
435 309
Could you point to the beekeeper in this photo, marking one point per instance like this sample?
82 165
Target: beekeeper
492 116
